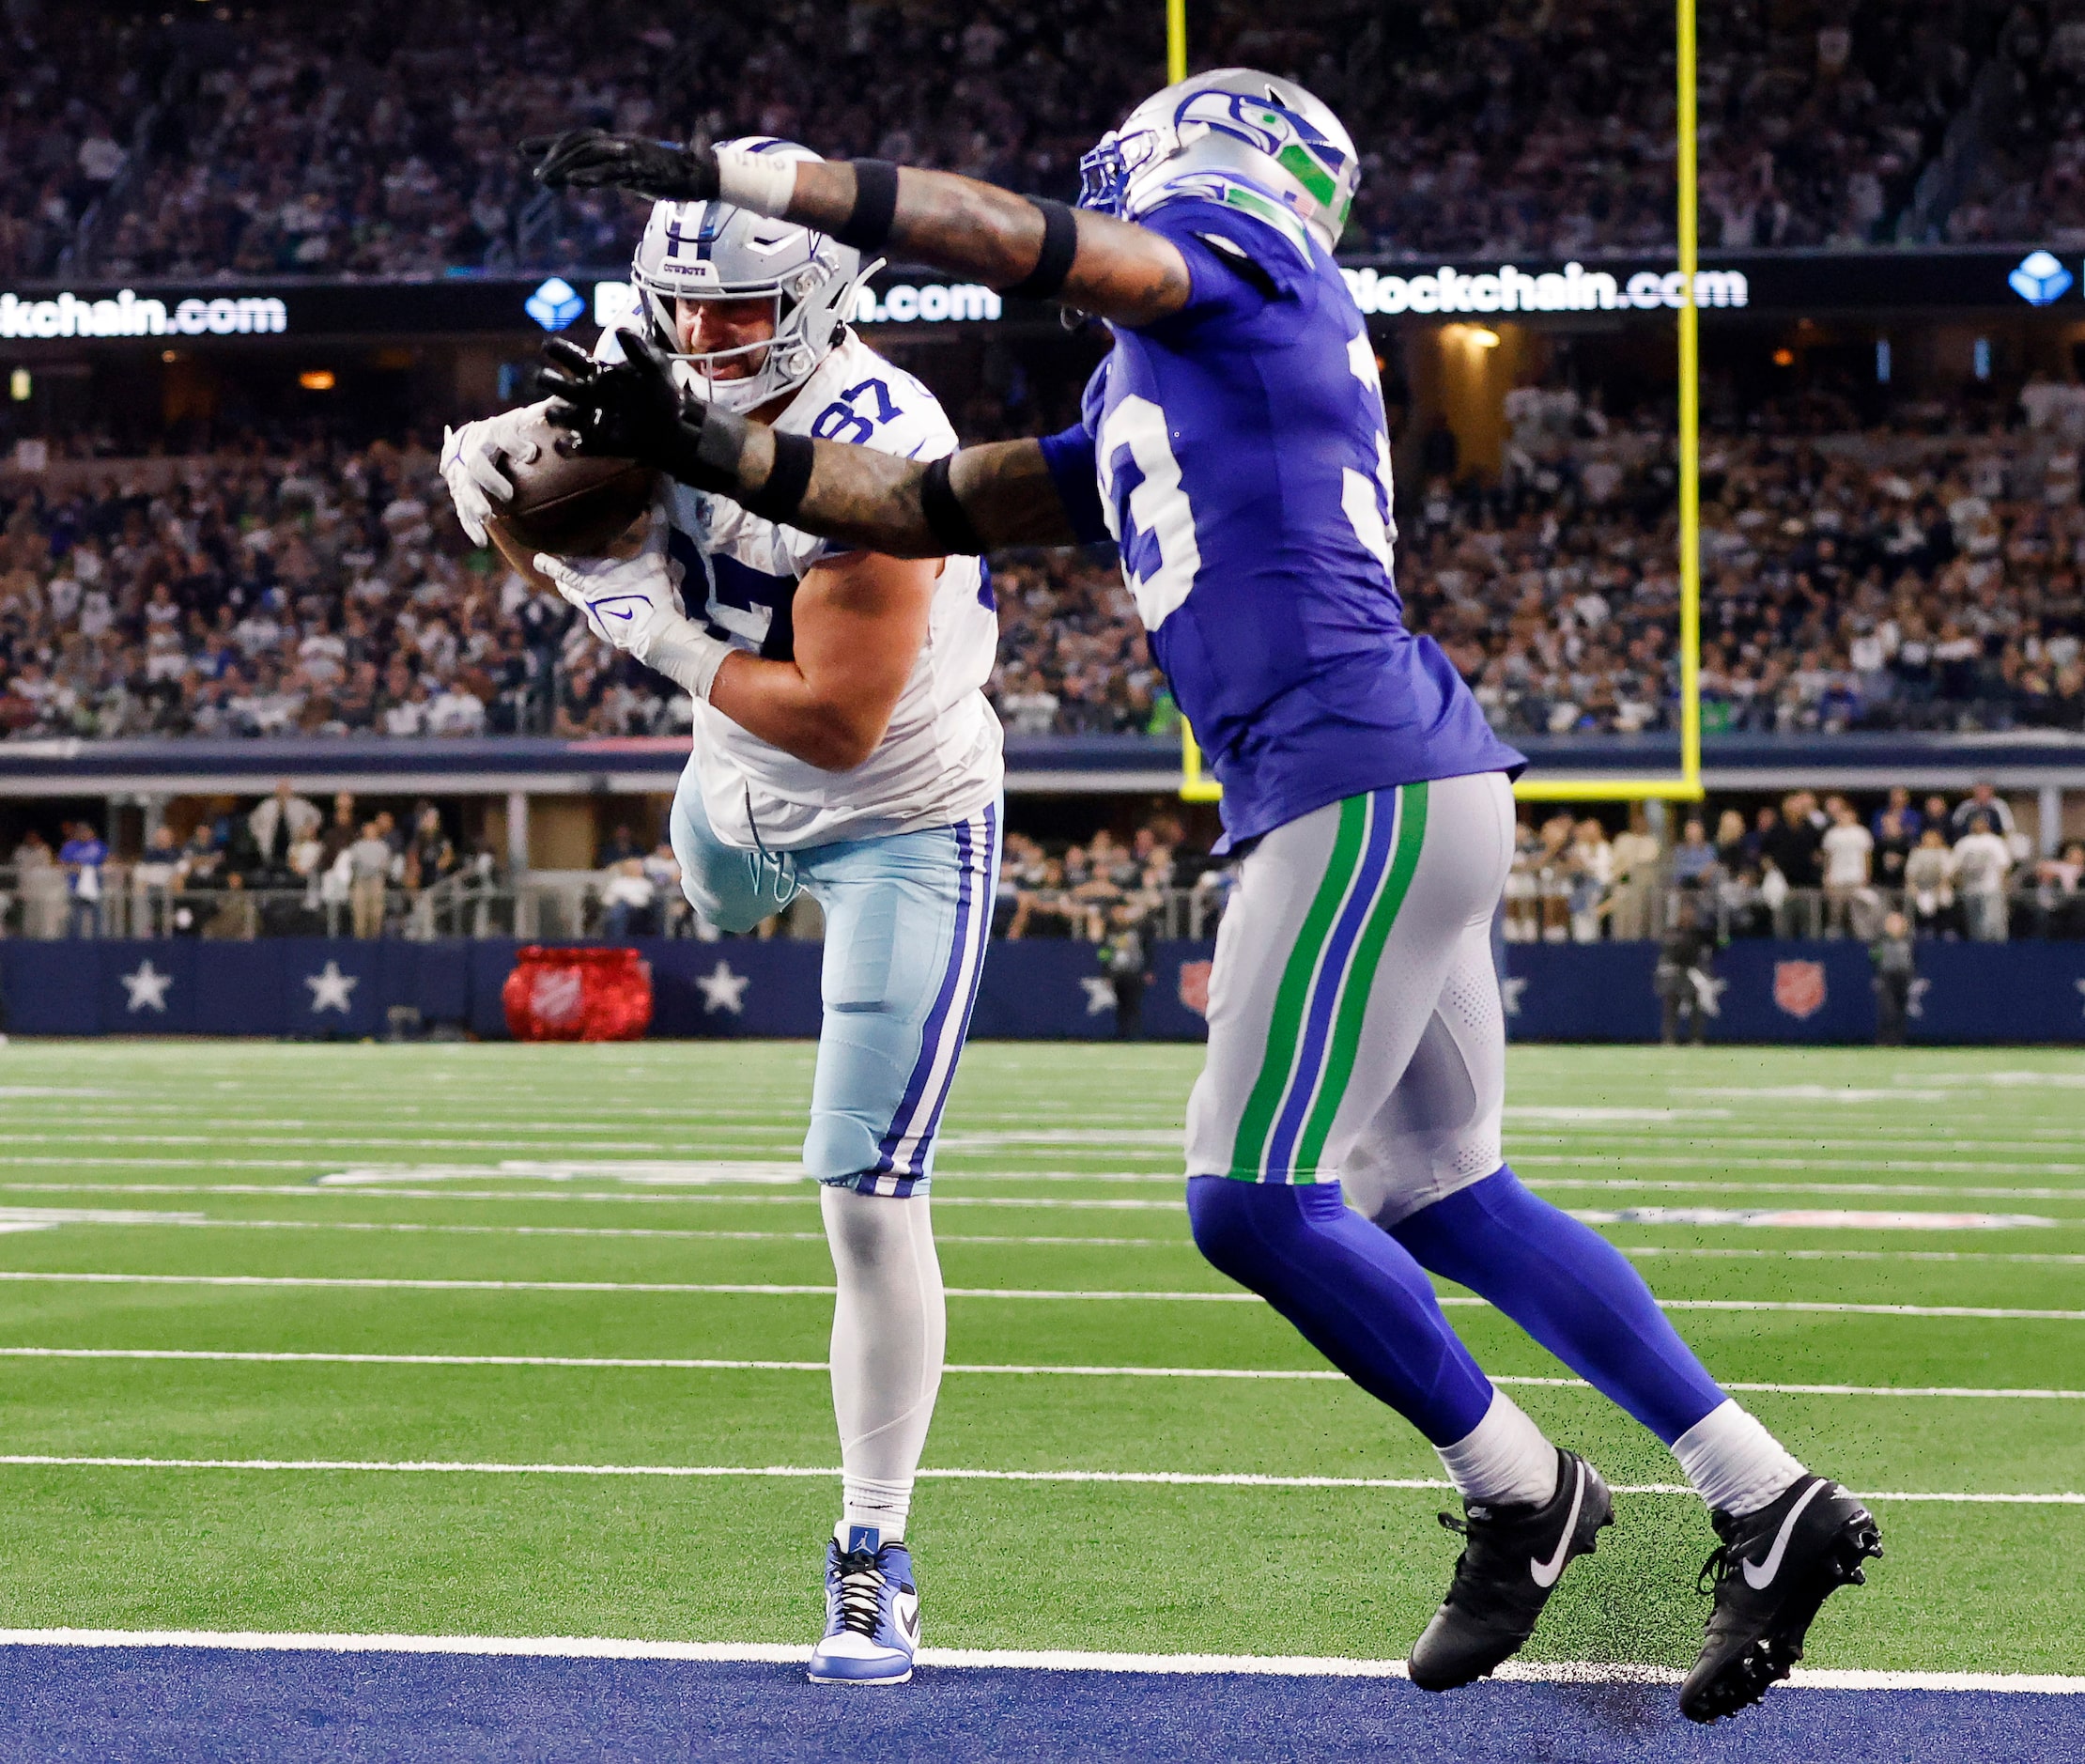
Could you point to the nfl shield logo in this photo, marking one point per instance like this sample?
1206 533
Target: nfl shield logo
1799 987
1194 986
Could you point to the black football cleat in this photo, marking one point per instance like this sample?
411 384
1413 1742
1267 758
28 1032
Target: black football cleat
1770 1573
1509 1566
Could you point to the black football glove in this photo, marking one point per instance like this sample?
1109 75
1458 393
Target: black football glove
631 410
592 159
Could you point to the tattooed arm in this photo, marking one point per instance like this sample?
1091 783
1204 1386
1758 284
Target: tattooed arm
1001 494
876 501
1112 269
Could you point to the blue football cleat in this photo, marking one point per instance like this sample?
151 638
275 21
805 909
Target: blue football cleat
872 1613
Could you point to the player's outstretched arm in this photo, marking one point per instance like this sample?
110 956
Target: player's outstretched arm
999 494
1112 269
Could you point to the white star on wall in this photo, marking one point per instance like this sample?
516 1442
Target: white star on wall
1100 994
1914 1001
723 990
1510 989
331 988
147 987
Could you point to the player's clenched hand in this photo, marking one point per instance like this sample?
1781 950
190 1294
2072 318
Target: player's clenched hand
474 464
629 603
592 159
631 410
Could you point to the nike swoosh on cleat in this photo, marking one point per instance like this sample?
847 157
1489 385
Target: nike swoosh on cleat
908 1620
1760 1575
1546 1573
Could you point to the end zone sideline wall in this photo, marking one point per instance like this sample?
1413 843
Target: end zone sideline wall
1044 989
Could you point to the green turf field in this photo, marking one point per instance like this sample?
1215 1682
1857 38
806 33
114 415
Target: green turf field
494 1176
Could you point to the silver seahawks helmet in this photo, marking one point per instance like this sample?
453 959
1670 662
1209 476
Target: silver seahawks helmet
1235 136
697 251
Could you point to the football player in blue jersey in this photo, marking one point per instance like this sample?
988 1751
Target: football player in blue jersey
1343 1140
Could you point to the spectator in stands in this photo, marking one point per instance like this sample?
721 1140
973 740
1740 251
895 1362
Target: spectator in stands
1694 859
1895 962
2060 892
628 896
342 830
1791 845
1895 831
430 854
368 862
81 858
1984 802
152 883
286 817
1849 851
1982 861
1929 885
42 886
1635 855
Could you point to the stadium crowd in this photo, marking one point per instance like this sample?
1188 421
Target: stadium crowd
1920 572
362 139
1910 574
1801 867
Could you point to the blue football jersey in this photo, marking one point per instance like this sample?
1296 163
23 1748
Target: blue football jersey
1238 453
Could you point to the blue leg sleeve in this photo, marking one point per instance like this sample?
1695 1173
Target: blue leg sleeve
1357 1298
1572 1290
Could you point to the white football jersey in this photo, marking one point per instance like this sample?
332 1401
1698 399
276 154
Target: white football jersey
940 760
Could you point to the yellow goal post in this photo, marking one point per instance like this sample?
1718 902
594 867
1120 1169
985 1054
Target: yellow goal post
1197 785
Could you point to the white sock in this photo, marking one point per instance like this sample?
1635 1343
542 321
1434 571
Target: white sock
1736 1464
1504 1458
881 1507
890 1332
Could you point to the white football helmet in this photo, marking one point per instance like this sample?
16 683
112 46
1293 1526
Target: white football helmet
712 250
1234 137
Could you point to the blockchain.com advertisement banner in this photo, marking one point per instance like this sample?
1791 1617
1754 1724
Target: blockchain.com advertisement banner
1645 288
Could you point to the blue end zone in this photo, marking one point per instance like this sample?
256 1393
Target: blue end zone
113 1705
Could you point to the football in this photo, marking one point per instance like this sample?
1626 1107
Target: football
571 505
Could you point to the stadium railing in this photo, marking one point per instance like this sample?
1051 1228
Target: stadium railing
556 904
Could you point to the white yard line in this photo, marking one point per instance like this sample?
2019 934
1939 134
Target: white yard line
1667 1160
1033 1660
1163 1478
786 1289
1279 1375
681 1232
806 1195
1850 1255
1069 1293
195 1221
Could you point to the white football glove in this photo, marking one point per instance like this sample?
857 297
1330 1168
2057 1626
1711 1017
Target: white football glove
474 464
632 605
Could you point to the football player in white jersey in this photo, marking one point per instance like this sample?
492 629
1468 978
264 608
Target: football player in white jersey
843 747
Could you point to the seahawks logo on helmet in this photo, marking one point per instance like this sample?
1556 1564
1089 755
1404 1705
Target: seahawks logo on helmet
1257 129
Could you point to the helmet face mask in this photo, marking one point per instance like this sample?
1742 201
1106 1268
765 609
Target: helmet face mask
1235 127
710 251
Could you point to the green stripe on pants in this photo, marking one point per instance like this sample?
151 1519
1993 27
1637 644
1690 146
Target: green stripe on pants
1284 1028
1361 976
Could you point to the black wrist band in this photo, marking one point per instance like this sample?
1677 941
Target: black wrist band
788 478
868 227
948 521
705 450
1061 244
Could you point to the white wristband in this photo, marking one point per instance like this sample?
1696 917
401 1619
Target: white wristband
755 180
685 654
